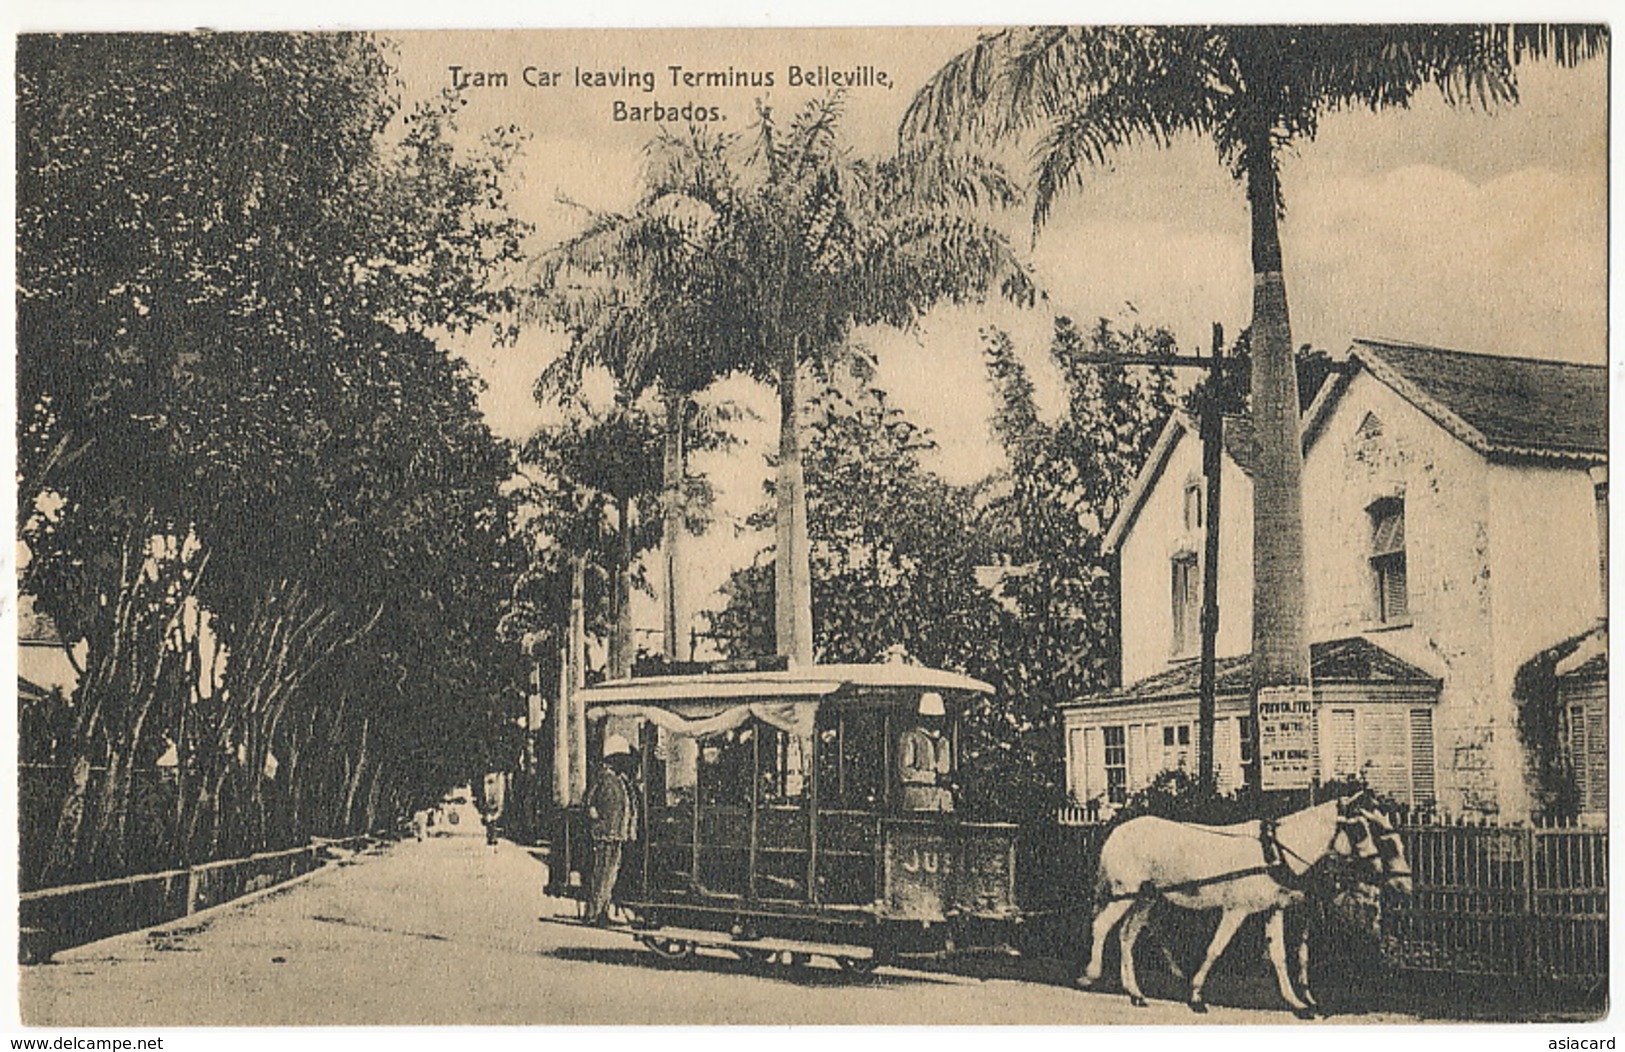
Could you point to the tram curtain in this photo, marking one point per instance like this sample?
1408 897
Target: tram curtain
792 717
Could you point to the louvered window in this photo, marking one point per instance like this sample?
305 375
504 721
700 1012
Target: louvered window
1341 755
1586 736
1388 560
1187 604
1422 795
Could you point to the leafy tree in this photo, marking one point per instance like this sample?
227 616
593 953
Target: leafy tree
894 548
642 295
1254 91
227 429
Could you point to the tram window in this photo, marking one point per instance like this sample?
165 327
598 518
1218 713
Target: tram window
673 768
785 766
726 766
852 760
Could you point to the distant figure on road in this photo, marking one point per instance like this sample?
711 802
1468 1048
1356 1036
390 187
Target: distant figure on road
420 822
925 759
612 820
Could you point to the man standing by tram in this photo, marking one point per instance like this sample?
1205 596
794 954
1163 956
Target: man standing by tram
925 758
612 821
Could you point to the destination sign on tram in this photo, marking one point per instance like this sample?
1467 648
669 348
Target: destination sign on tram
1286 739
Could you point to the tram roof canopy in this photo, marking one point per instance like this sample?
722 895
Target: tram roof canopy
816 681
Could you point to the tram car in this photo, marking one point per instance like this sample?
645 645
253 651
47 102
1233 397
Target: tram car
797 812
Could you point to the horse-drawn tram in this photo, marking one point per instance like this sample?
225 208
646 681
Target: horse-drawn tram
798 812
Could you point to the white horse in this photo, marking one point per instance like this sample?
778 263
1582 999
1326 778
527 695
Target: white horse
1240 869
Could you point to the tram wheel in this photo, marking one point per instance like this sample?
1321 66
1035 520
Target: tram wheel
752 955
671 949
857 965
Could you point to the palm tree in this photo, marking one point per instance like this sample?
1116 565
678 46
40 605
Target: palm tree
637 293
818 243
1254 91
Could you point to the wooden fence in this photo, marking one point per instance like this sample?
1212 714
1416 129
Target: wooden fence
1525 901
1506 901
52 919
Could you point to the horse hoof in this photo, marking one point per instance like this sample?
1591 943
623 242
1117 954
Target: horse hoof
1304 1013
1137 1001
1084 982
1198 1007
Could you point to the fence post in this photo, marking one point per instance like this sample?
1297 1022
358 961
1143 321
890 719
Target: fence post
1530 966
191 890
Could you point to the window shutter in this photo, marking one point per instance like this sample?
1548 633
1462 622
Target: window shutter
1094 765
1226 755
1339 744
1395 589
1596 794
1077 763
1422 794
1385 745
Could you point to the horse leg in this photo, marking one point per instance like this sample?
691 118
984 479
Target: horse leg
1127 936
1105 921
1303 965
1275 936
1229 921
1158 931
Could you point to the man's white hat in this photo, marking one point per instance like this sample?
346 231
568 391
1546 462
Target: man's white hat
931 704
615 745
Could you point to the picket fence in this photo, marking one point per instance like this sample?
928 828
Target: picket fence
1525 901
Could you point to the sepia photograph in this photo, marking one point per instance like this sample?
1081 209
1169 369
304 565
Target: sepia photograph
932 526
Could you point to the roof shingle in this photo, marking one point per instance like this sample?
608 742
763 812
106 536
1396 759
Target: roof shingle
1510 406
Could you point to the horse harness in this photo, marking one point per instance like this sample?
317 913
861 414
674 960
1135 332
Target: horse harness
1385 846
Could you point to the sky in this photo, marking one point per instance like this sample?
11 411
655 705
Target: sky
1436 225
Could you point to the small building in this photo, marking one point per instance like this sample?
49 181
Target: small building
1455 525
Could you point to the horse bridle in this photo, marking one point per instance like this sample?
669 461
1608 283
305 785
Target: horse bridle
1374 841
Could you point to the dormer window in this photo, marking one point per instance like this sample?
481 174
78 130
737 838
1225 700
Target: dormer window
1388 578
1193 505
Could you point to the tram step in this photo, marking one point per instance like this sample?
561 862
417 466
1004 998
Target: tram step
768 943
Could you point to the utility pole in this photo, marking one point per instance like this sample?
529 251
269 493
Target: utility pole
1210 427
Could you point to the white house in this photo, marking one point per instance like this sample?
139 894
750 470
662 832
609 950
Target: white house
1455 528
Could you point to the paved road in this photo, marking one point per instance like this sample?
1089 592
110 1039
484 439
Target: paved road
446 932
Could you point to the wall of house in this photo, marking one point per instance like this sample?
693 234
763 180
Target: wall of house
1378 445
1545 580
1147 552
1501 559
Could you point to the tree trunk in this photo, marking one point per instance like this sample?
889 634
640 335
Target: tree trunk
621 646
577 666
671 527
561 733
792 571
1280 644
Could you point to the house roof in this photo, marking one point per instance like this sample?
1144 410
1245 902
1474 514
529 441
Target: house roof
1500 406
1351 660
1503 407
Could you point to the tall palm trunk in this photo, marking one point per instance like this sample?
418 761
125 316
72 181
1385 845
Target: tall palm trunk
1280 641
621 646
792 571
673 469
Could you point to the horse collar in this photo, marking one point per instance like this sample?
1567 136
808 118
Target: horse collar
1275 861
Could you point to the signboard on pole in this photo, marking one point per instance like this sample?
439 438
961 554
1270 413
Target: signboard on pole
1286 737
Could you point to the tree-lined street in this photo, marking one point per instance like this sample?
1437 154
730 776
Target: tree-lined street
445 932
